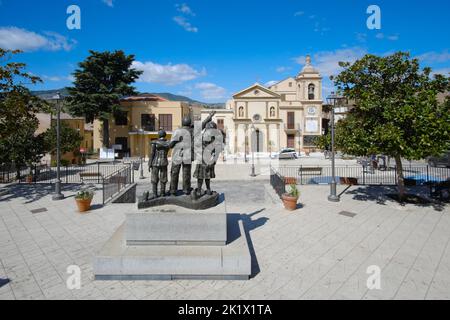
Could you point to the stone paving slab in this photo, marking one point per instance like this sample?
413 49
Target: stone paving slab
312 253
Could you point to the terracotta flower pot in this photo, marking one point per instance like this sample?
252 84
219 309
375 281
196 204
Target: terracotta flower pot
29 179
83 204
290 203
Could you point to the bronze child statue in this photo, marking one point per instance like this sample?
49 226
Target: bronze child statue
158 164
212 142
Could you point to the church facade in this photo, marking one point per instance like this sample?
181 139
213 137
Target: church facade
264 119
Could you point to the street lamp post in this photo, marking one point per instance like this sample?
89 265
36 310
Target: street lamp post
333 197
253 174
141 170
58 195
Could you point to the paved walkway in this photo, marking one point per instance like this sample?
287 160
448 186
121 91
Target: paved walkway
313 253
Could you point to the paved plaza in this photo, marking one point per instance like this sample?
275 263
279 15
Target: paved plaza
321 251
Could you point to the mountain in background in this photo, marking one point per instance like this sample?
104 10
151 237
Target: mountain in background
49 94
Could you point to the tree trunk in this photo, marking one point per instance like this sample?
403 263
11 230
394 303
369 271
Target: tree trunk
106 133
400 178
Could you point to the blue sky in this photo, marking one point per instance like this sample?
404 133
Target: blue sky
208 50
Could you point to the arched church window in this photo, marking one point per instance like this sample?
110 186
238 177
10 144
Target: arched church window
272 112
311 91
241 112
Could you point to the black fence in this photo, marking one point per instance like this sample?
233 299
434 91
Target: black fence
116 182
362 175
91 173
9 172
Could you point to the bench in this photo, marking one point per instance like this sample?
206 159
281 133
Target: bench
310 171
90 176
348 181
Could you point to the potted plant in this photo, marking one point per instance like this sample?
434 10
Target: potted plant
29 178
84 199
291 197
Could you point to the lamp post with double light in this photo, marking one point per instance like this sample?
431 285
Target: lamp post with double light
58 195
141 133
253 174
333 100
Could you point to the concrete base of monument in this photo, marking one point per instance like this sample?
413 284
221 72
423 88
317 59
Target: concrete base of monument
191 201
119 261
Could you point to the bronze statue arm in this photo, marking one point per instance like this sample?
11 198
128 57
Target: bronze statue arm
208 119
152 156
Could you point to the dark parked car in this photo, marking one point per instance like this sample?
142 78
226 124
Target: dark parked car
443 161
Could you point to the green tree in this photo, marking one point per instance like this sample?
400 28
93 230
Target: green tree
397 112
100 82
70 139
18 122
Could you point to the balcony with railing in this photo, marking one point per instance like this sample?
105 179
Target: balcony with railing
292 127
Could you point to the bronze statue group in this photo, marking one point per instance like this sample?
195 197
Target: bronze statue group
209 141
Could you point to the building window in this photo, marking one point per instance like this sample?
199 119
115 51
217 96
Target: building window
290 84
148 122
165 122
256 117
220 124
291 120
311 93
241 112
272 112
123 142
121 118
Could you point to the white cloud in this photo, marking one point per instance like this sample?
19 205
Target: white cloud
211 91
443 71
18 38
182 21
393 37
327 61
109 3
382 36
435 57
270 83
184 9
299 13
58 78
282 69
361 37
170 74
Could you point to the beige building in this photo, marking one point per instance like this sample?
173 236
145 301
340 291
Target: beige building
142 116
266 119
46 120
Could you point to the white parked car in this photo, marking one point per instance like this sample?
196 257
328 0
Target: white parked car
286 153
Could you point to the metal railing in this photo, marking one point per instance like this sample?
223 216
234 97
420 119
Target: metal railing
363 175
278 182
113 184
92 173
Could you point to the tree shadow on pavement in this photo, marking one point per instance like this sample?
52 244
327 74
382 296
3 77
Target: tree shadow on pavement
380 195
249 225
34 192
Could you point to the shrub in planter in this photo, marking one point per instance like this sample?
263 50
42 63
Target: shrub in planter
84 198
291 197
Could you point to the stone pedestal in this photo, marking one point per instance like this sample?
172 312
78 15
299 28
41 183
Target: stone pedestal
173 225
171 242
